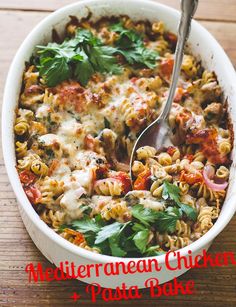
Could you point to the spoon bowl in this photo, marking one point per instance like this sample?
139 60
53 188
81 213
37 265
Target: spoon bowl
158 133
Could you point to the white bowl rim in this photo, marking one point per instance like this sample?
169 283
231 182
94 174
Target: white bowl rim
15 182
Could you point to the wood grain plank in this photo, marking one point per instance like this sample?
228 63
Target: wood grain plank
210 10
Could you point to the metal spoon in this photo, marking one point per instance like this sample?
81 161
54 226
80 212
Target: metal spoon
158 133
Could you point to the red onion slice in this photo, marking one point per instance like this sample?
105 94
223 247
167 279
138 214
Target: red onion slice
208 174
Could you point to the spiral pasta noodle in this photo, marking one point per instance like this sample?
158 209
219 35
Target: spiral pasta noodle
108 187
117 211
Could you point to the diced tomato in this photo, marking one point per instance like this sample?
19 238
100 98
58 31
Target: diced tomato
89 142
35 88
32 193
79 238
183 117
125 180
171 150
71 93
133 80
55 163
178 94
101 171
167 67
189 157
204 135
191 178
143 181
207 138
172 38
27 177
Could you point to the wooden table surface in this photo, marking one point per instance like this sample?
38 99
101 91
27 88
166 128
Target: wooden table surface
214 286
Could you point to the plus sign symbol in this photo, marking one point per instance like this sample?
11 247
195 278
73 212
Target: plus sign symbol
75 297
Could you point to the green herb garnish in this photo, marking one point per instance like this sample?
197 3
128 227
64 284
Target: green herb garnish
162 220
130 44
85 54
79 57
141 239
107 124
172 192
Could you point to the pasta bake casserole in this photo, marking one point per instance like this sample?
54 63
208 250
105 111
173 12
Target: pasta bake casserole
85 99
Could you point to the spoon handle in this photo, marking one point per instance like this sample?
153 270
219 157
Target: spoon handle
188 8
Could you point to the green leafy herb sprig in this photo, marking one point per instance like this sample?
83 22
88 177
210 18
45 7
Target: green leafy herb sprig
131 238
79 57
172 192
130 45
84 54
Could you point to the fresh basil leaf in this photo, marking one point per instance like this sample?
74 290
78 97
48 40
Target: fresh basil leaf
103 60
140 240
148 57
141 56
84 36
64 50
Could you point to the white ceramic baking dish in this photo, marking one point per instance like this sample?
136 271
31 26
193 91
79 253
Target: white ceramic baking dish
213 57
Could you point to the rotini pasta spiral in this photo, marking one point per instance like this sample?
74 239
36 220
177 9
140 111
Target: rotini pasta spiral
164 159
27 161
53 218
21 149
39 168
50 190
183 229
78 239
183 186
145 152
117 211
173 242
222 173
161 45
137 168
224 147
199 156
108 186
205 218
156 189
204 191
23 121
189 65
158 27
